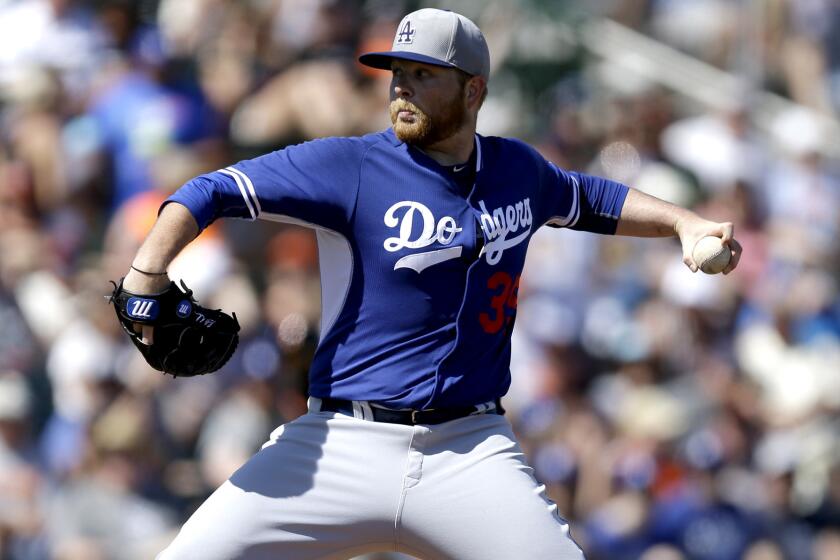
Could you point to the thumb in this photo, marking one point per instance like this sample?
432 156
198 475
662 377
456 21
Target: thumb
688 259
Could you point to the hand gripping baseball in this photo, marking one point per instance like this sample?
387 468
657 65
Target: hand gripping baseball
691 231
189 339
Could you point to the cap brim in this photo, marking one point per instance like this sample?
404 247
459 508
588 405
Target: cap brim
382 60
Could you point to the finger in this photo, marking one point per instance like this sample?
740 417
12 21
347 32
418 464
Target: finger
734 256
727 230
144 331
148 335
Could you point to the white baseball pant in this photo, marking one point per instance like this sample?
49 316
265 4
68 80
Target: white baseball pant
331 486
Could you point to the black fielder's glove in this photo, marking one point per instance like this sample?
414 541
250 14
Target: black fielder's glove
188 339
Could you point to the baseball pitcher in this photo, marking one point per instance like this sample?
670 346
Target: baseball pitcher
422 232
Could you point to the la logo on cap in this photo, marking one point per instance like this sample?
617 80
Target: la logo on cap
406 34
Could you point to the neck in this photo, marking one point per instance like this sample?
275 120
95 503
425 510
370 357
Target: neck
453 150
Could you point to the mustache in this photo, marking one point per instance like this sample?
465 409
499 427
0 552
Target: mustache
404 105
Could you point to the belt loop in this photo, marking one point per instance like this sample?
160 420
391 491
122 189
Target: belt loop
357 410
313 404
481 408
362 410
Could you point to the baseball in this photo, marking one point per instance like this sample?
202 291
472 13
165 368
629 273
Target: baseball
711 255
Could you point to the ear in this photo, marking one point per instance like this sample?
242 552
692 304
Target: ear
474 89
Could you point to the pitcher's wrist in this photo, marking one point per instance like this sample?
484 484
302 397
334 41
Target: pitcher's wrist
139 283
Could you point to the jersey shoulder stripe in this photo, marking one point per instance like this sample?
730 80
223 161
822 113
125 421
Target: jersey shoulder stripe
309 168
239 183
250 185
574 212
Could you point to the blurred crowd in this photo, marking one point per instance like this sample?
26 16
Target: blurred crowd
672 416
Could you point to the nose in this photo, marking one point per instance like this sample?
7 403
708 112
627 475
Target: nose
401 88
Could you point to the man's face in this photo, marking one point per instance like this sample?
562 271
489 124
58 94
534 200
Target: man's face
427 102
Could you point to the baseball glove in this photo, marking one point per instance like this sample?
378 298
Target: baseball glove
189 340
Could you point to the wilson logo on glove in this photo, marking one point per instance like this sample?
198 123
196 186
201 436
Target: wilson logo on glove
142 308
184 309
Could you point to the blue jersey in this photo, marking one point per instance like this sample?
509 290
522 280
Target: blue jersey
419 276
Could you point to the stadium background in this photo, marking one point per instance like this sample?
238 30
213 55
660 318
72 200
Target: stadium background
671 415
